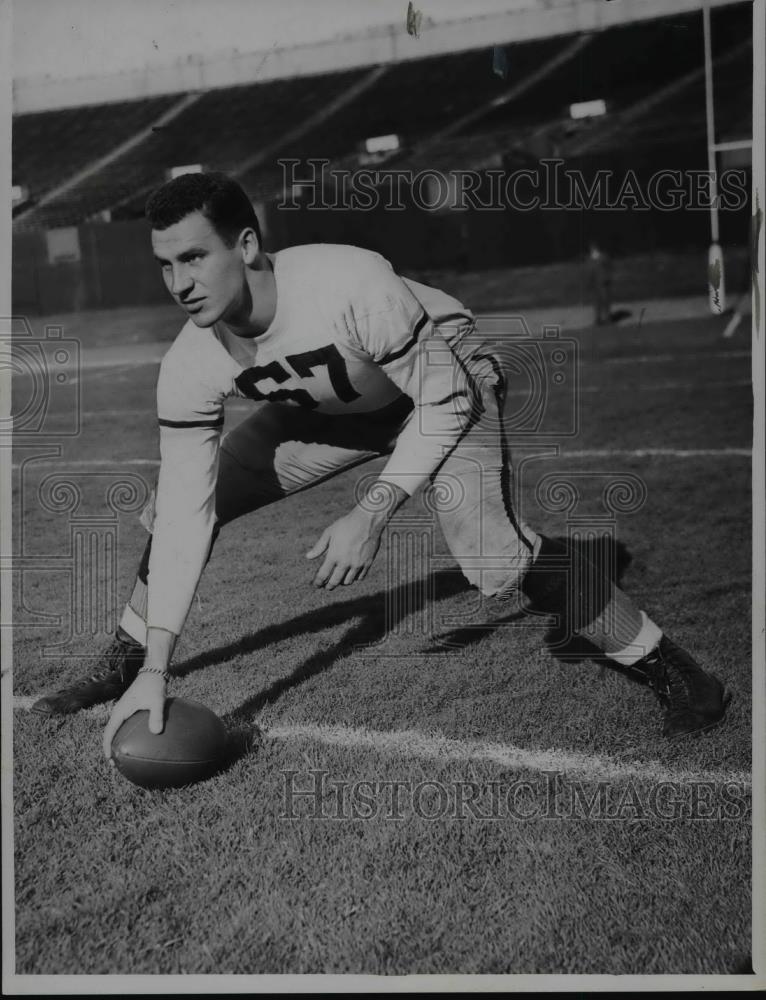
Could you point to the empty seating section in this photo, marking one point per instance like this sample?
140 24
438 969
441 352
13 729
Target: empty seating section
303 118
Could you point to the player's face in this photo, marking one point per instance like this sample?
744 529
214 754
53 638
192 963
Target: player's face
205 276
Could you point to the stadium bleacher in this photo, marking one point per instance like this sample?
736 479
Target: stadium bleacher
52 145
458 110
222 128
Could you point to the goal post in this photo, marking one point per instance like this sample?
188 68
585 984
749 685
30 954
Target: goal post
715 263
716 271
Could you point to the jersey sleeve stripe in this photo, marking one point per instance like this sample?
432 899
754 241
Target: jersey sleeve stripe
457 320
418 329
218 422
460 394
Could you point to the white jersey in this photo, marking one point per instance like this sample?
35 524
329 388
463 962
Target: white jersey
348 336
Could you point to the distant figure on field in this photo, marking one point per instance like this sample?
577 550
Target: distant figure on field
600 281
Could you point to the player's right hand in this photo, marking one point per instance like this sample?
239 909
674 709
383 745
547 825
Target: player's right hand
147 692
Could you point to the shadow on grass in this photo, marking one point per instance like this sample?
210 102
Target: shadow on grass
380 613
611 556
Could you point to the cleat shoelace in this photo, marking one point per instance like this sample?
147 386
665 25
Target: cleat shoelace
669 684
115 656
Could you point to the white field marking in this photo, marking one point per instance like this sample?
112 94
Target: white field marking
245 405
106 368
116 463
96 372
658 453
664 358
732 325
99 368
86 463
24 702
411 743
736 319
648 387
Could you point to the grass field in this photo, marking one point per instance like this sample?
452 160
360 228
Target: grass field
541 824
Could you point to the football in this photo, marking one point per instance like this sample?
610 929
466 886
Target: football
192 746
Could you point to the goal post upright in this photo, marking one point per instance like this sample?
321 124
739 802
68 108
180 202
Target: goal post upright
715 263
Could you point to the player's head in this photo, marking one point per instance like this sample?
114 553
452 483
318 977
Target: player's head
205 235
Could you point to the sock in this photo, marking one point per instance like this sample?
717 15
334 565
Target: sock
562 581
133 620
648 638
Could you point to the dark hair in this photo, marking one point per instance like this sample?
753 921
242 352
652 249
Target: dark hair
219 198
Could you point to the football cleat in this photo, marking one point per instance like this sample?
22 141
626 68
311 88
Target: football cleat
693 699
118 667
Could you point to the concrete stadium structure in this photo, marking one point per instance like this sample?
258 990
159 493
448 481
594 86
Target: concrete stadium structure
86 164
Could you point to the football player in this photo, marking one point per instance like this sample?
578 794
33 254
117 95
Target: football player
348 362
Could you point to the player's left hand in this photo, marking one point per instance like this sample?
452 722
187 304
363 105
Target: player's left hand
349 546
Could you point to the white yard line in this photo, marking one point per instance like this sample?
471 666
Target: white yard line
118 463
665 358
86 463
100 371
661 387
423 746
411 743
24 702
245 405
657 453
99 366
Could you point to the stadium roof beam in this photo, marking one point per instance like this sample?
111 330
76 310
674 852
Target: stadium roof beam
95 166
608 128
523 21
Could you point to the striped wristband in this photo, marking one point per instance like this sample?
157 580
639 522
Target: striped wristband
156 670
